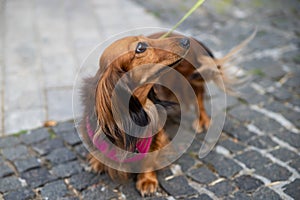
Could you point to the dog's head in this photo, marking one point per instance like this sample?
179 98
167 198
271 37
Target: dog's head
144 59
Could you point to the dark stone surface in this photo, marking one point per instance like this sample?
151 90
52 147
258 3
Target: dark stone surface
232 146
202 175
54 190
247 183
284 154
274 172
262 142
243 113
186 161
100 193
178 187
46 146
83 180
5 170
63 127
81 151
35 136
296 164
224 166
236 130
20 194
223 188
13 153
60 155
289 137
293 189
67 169
253 159
71 137
10 141
265 193
239 196
26 164
9 184
37 177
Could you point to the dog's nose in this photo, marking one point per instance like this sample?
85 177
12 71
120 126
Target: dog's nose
185 43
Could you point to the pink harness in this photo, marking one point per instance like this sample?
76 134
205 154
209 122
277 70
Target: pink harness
142 146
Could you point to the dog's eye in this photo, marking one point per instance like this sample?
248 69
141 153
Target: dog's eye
141 47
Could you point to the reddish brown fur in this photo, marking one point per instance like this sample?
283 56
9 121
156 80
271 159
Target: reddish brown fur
120 58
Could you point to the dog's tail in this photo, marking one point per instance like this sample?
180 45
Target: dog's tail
228 77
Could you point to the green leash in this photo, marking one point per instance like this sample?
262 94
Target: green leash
199 3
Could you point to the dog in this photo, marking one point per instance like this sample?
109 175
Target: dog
186 55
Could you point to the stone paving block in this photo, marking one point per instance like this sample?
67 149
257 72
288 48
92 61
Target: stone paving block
239 196
178 187
224 166
67 169
83 180
247 183
9 141
296 164
27 119
9 184
130 191
274 172
62 127
202 175
289 137
64 67
13 153
243 113
293 188
20 194
100 192
45 147
35 136
232 146
60 104
237 131
71 137
5 170
37 177
60 155
33 92
185 162
223 188
262 142
268 126
81 151
265 193
54 190
26 164
253 159
284 154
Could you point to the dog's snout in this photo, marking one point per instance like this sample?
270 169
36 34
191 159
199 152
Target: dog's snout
185 43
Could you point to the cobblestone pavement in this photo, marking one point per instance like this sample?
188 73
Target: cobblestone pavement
257 156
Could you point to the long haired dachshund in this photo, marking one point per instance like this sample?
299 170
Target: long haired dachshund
187 55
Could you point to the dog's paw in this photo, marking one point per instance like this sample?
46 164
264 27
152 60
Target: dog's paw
96 165
147 184
199 124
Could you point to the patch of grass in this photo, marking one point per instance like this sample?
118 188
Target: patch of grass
52 134
257 72
21 132
156 13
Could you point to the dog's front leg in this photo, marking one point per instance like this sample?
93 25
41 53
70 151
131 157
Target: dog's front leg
147 183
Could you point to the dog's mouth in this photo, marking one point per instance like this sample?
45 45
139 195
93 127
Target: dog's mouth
175 63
